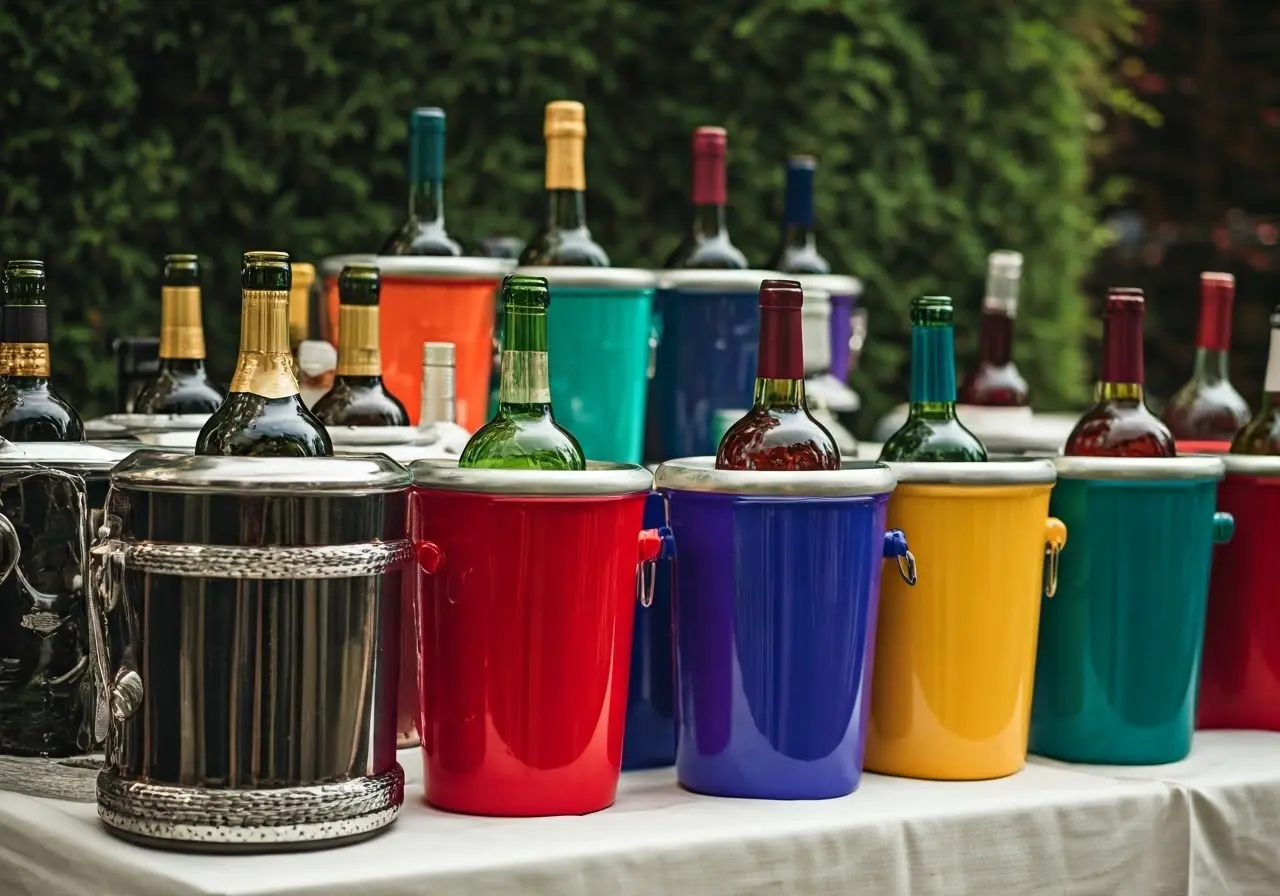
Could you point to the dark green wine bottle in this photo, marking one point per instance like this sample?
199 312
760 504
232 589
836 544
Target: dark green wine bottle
263 415
181 385
424 233
524 435
565 238
30 409
359 397
933 432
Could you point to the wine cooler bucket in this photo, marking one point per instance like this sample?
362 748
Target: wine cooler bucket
47 494
174 431
776 585
707 324
650 740
244 628
599 330
428 299
844 293
955 656
1118 661
1240 681
527 585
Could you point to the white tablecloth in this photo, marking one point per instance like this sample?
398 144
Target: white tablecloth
1209 825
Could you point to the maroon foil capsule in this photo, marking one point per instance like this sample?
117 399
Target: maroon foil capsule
710 147
781 354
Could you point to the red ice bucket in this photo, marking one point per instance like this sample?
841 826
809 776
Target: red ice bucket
524 613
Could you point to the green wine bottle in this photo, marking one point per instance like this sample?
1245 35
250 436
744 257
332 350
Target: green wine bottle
263 414
524 435
30 409
933 432
358 396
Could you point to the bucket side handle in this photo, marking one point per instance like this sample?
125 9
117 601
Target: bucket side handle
12 546
653 545
1224 526
895 548
1055 539
118 685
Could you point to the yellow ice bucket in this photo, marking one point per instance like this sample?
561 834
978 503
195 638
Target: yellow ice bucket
956 655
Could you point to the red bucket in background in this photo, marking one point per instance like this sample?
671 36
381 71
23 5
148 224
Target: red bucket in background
524 614
1240 672
1190 447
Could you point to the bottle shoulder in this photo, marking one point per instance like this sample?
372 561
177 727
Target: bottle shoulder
249 425
416 237
793 260
569 248
511 441
1206 410
773 439
923 439
37 414
995 385
360 405
172 393
1120 428
707 253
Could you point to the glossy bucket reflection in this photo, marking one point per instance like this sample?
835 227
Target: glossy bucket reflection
777 579
1119 652
650 739
431 300
955 656
598 333
524 611
707 329
1240 682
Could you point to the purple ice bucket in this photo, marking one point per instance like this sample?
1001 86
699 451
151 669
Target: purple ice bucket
774 598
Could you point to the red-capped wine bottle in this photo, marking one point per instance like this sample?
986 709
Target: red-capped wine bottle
779 433
1208 408
996 382
1119 424
707 245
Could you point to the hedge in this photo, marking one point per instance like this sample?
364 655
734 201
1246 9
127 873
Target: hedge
132 128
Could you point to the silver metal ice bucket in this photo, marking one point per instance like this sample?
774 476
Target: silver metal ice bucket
244 624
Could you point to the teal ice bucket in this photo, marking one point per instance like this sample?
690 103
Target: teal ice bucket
1118 663
599 329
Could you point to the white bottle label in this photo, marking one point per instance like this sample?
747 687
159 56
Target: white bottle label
1272 382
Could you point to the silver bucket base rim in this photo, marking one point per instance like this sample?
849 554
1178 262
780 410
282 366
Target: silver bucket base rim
276 820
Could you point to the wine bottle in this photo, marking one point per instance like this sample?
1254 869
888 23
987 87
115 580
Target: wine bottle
1119 424
797 251
1261 435
424 232
437 423
995 381
565 238
30 409
1208 407
933 431
359 397
707 245
524 435
302 277
778 432
181 385
263 415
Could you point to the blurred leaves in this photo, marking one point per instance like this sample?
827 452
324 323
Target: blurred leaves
133 128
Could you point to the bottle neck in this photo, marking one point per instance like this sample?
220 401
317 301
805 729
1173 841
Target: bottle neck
1213 337
1271 382
780 359
566 209
426 202
181 324
995 339
933 372
182 366
1122 362
359 331
799 236
437 395
525 386
709 222
1211 365
264 366
566 183
24 354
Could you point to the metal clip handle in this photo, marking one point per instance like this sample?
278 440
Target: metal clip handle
655 337
120 691
895 548
1055 539
654 545
12 546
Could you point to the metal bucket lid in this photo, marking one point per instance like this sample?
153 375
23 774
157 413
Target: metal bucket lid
600 278
167 471
428 267
832 284
372 437
1147 468
67 456
1261 465
699 474
1006 472
136 423
716 281
597 479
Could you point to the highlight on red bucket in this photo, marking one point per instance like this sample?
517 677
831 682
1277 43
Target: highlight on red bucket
525 595
429 299
775 597
1186 446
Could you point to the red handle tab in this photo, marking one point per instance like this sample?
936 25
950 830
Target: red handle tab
650 545
429 556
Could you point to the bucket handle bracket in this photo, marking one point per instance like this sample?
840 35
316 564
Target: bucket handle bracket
895 548
1055 539
1224 526
654 545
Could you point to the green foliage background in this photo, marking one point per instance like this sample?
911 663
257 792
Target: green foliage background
132 128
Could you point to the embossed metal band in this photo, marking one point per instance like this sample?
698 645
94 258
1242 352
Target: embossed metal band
284 815
234 562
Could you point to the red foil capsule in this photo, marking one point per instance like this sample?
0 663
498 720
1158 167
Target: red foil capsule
710 148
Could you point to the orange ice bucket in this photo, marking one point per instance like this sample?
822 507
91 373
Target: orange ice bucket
428 299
